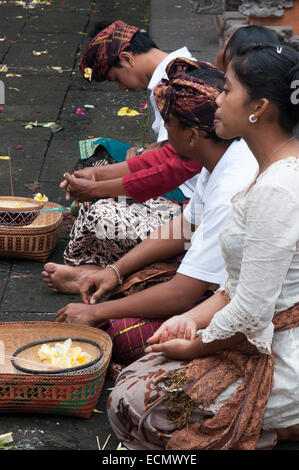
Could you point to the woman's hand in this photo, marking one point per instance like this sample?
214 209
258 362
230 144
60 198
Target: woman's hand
97 284
177 327
88 173
179 349
78 187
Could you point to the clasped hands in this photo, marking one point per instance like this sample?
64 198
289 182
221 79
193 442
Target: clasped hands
79 185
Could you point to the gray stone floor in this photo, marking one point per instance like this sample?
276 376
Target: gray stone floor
44 94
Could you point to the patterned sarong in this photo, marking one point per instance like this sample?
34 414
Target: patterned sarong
237 425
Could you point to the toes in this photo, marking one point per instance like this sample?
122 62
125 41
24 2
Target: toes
50 268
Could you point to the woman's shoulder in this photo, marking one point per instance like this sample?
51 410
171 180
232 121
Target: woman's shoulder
283 173
278 181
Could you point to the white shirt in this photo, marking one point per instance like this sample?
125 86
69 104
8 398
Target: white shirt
209 207
158 125
158 75
260 243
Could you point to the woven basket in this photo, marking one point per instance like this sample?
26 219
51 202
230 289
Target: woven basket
61 394
35 241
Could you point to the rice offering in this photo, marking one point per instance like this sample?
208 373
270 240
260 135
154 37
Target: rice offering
63 355
15 204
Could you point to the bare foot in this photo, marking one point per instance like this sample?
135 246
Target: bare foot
66 279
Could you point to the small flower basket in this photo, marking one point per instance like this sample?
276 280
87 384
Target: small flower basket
35 241
27 389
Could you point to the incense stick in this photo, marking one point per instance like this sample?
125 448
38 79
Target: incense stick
10 173
46 366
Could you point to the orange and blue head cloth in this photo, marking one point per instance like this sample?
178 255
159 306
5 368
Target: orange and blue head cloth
192 100
104 49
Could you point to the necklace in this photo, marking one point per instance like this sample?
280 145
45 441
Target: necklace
264 167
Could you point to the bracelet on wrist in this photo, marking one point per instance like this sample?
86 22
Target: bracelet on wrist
115 269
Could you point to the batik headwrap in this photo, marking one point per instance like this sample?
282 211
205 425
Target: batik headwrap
191 99
104 49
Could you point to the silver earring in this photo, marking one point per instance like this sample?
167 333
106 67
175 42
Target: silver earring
252 118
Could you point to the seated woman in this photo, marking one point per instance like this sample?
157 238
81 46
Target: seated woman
187 104
225 375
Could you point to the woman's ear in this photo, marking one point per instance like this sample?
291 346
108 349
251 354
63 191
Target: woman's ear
126 59
261 107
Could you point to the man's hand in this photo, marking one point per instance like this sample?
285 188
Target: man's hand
97 284
79 313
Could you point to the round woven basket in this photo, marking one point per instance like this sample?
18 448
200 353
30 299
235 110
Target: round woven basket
12 215
73 393
29 352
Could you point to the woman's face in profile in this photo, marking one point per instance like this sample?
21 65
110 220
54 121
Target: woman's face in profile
232 115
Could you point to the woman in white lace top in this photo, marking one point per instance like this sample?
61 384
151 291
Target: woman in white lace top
260 243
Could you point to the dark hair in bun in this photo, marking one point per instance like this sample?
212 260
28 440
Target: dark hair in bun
270 71
246 35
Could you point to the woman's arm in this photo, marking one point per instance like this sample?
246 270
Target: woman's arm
110 172
182 349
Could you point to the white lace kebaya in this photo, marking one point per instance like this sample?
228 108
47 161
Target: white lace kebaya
260 244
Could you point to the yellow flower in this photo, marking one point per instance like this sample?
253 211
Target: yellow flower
40 197
88 73
125 111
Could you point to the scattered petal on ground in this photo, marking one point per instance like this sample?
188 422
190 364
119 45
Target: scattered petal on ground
125 111
58 69
39 52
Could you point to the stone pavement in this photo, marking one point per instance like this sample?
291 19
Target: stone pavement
44 94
